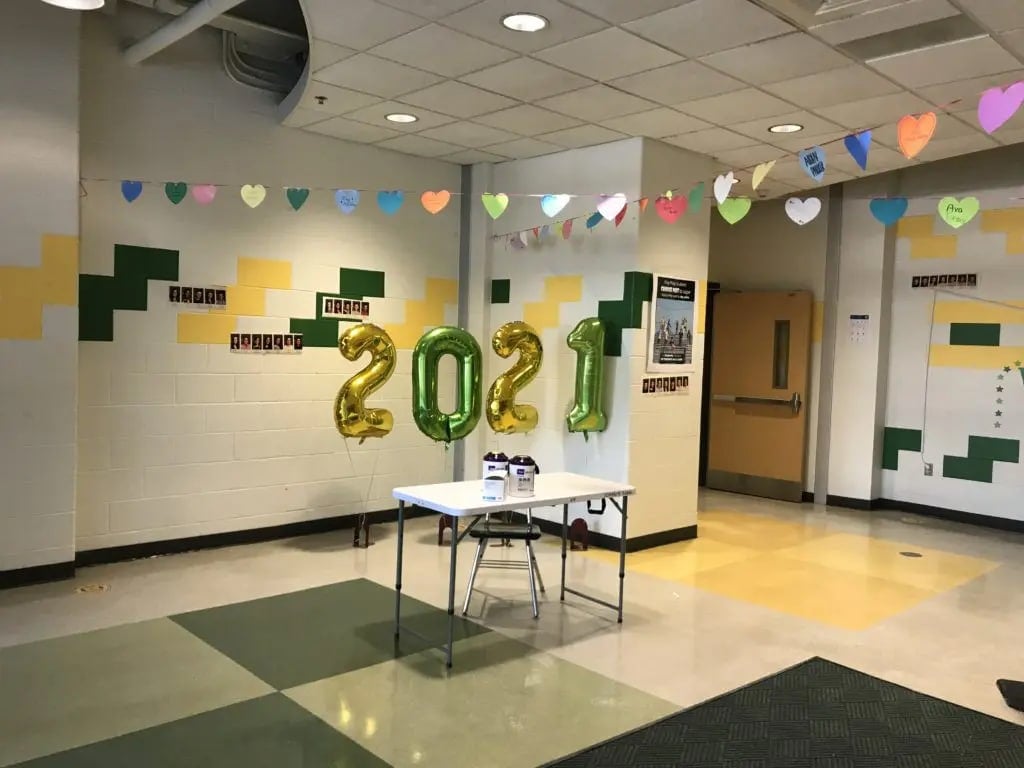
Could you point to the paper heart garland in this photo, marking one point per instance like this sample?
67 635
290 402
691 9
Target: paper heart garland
435 202
131 190
610 206
204 193
803 211
723 186
389 201
734 209
297 197
914 133
696 197
552 205
495 205
253 195
858 145
670 208
760 173
996 106
175 191
347 200
888 210
566 229
622 215
594 220
956 213
813 162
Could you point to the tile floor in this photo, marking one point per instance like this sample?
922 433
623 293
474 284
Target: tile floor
281 654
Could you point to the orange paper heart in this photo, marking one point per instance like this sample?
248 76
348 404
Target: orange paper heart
435 202
914 133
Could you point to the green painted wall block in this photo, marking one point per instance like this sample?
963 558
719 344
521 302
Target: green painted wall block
619 314
316 333
964 468
974 334
896 439
501 291
360 283
993 449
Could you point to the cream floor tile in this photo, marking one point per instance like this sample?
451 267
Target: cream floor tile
679 560
503 704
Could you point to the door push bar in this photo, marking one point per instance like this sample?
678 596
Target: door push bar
793 402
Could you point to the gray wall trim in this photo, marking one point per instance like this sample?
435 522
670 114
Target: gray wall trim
833 243
465 256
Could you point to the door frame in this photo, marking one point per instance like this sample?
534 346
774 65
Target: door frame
705 391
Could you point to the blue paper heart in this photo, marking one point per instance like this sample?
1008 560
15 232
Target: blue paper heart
390 202
888 210
131 190
347 200
858 144
813 162
594 220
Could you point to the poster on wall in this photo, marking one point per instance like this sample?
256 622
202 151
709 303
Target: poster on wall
671 325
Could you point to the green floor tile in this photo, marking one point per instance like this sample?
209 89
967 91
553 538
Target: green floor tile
269 732
300 637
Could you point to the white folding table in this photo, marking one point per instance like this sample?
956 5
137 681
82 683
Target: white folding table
463 499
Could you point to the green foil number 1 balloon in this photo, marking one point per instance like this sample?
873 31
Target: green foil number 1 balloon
587 412
426 357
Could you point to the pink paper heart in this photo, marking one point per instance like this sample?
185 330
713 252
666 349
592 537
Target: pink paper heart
670 208
610 206
204 193
996 106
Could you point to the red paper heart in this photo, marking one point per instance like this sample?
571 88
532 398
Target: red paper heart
621 216
670 209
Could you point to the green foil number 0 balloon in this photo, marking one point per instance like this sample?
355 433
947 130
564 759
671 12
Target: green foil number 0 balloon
587 412
426 357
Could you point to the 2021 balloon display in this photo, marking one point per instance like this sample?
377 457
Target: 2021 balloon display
351 416
587 412
432 421
504 416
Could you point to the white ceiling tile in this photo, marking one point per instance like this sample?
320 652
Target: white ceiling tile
471 156
881 20
1015 42
467 134
598 102
350 130
962 145
323 54
704 26
1000 15
442 50
360 25
1013 132
758 129
968 91
677 83
421 146
429 9
837 86
777 59
867 113
745 157
709 141
526 79
454 98
582 136
608 54
975 57
376 115
521 148
742 105
337 101
879 159
483 20
620 11
380 77
301 116
655 123
528 120
794 142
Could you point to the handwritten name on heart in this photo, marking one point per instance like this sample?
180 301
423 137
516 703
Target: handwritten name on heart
813 162
435 202
996 106
670 208
956 213
347 200
914 133
610 206
803 211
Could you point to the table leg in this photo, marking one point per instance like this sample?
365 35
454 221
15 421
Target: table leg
565 536
622 554
398 568
451 592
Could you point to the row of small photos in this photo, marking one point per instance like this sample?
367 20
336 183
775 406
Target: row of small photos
666 386
280 343
345 308
188 294
944 281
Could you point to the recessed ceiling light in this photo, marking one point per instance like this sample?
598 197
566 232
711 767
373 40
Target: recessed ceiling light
786 128
401 117
524 22
77 5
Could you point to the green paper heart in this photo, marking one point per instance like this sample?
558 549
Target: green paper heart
696 197
956 213
495 204
734 208
175 191
297 196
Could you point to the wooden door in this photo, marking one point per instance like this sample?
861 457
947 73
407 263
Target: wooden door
760 360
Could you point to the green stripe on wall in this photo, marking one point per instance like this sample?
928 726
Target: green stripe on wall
974 334
963 468
993 449
896 439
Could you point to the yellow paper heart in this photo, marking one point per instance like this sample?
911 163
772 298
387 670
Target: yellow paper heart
760 173
253 195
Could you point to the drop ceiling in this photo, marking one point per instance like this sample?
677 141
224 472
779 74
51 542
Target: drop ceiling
707 75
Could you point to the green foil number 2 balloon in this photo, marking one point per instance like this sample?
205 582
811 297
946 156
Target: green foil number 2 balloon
426 357
587 412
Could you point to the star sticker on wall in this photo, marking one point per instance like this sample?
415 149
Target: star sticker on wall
998 425
999 401
1006 369
999 389
1017 363
1000 377
999 413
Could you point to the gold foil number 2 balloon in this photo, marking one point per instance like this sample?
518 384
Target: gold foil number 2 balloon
503 414
351 416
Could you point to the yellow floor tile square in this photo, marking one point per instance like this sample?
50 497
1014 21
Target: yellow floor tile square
755 531
678 561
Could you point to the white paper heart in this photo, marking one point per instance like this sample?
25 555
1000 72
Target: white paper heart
723 186
552 205
803 211
610 206
253 195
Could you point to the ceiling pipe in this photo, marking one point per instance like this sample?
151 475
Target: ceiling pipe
199 15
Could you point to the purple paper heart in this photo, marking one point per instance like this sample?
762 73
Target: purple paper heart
857 145
996 106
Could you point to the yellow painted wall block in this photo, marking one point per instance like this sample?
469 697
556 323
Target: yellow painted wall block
563 288
915 226
541 314
244 300
421 314
21 303
264 273
979 358
442 290
977 312
404 336
60 269
1002 220
933 247
205 328
1015 243
818 322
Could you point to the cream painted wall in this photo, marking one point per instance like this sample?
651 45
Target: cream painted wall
182 439
38 320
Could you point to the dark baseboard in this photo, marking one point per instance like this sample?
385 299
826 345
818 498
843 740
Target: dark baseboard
37 574
636 544
850 503
953 515
807 498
